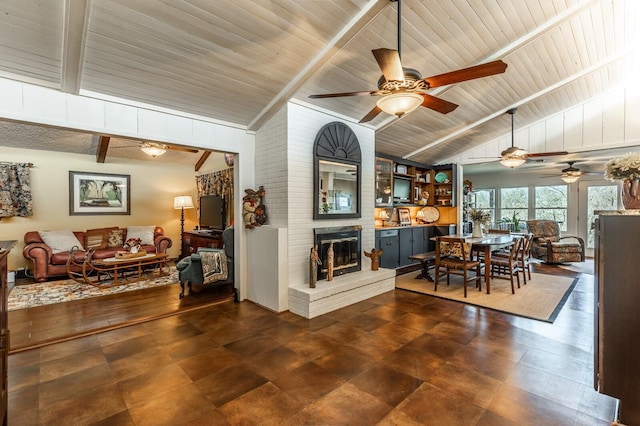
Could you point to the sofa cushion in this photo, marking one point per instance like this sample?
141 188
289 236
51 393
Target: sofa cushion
60 240
115 238
145 233
96 238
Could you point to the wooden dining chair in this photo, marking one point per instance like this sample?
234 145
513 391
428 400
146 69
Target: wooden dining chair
523 257
506 266
453 257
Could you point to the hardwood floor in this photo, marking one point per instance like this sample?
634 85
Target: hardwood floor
398 358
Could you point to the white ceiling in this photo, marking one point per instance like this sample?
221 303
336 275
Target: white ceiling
240 61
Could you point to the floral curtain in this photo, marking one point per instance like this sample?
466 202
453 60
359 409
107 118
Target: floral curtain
218 183
15 190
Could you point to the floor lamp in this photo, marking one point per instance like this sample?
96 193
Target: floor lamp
182 202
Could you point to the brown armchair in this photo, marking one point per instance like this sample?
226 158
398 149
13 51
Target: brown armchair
548 246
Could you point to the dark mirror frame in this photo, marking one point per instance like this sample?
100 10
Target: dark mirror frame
337 143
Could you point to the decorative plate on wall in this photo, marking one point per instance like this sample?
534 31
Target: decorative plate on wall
441 177
431 214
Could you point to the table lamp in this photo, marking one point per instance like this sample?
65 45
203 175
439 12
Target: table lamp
420 216
384 216
182 202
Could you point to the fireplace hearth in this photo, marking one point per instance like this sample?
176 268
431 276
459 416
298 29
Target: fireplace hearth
346 249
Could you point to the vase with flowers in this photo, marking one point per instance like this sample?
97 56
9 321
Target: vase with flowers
627 169
479 218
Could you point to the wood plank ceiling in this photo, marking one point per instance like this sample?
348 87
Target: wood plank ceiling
240 61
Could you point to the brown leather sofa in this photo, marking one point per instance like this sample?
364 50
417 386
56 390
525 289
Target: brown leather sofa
45 264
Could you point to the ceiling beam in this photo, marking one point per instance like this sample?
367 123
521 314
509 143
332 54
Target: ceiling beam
346 34
103 145
76 19
202 159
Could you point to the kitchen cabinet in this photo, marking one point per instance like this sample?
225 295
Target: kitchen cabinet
387 240
617 300
384 181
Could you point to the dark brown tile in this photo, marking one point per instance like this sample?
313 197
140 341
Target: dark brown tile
313 346
276 362
89 407
266 405
174 406
429 405
308 383
252 345
386 384
230 383
59 367
466 384
208 362
145 387
345 362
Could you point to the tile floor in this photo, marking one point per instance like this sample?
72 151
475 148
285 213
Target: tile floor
397 359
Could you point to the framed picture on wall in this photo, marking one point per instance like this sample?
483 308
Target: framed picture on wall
404 216
99 193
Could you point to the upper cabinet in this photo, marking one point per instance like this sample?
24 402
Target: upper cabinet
401 182
384 181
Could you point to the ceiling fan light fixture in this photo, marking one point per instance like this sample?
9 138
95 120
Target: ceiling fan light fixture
153 149
399 103
570 178
512 161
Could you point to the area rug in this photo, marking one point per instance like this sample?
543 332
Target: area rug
541 299
47 293
585 267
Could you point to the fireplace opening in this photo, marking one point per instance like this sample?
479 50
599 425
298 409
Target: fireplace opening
346 249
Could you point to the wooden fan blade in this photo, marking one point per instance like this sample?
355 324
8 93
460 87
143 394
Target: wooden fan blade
337 95
464 74
371 114
547 154
437 104
389 62
179 148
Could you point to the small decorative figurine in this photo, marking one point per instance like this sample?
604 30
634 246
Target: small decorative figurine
375 258
314 261
330 263
254 211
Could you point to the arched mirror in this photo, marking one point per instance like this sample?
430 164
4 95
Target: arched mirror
337 173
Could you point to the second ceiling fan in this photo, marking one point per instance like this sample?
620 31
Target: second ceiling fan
404 89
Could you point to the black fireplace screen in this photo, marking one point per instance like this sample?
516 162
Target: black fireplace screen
346 249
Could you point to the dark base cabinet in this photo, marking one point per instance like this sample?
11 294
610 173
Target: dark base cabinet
398 244
617 303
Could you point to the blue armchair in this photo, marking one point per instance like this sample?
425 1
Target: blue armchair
190 268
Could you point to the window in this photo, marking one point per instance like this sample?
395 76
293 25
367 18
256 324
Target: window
551 204
485 199
514 202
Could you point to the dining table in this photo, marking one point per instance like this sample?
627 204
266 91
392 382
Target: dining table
487 244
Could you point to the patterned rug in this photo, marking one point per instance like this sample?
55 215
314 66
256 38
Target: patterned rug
47 293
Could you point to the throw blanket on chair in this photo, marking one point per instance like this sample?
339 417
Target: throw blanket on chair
214 266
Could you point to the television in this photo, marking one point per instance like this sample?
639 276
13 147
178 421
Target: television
401 190
212 212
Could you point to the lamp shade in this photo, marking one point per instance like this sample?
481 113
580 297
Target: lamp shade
399 103
183 202
383 215
420 215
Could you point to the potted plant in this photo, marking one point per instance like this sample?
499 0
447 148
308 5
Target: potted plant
627 169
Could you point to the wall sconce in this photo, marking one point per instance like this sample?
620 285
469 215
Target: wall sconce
182 202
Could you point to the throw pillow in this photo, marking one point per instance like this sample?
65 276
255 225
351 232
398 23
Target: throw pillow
61 240
96 238
115 238
145 233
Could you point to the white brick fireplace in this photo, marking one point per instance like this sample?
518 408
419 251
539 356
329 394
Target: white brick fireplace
284 166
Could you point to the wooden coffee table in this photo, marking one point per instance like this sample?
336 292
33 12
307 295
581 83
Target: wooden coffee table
111 272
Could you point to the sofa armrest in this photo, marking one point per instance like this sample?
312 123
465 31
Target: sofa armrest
40 256
162 243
